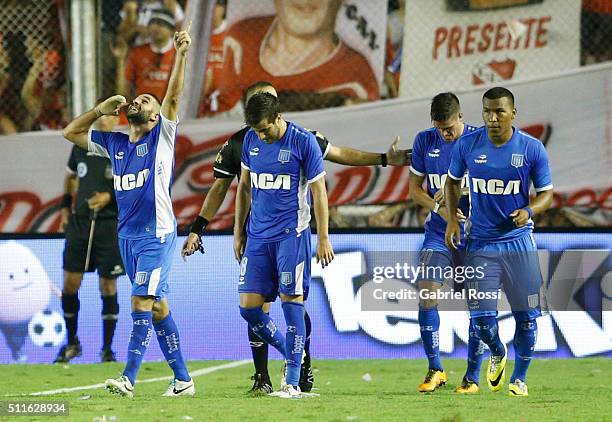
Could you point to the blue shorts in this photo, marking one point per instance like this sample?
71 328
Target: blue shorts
147 264
283 266
435 257
512 264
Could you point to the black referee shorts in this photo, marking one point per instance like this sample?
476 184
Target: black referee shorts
105 256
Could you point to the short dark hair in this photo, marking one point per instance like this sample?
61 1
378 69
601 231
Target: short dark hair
261 106
444 106
499 92
255 87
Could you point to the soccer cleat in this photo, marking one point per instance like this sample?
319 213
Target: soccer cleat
306 378
180 388
288 392
467 387
121 386
433 380
518 389
69 352
107 355
262 385
496 371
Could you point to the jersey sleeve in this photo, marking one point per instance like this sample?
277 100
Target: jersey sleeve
540 170
417 165
226 166
312 159
323 142
457 166
71 167
167 130
244 161
99 143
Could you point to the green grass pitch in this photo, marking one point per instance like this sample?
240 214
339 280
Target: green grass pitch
560 390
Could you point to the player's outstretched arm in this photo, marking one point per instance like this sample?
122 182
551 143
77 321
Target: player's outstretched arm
542 201
76 131
170 104
354 157
210 206
243 204
452 192
325 252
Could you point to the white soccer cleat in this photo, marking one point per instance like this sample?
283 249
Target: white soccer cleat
288 392
121 386
180 388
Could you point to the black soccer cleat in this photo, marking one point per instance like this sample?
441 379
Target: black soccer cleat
69 352
107 355
261 385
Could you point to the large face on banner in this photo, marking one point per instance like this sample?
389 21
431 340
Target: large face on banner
307 17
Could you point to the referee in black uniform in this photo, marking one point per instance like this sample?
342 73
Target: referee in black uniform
91 178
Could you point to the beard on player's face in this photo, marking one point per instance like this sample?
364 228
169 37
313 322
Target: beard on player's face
138 117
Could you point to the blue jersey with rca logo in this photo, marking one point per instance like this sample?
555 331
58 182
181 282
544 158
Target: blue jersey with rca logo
280 173
499 180
142 177
431 156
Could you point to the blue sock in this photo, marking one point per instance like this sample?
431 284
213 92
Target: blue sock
524 342
139 340
487 330
168 339
429 320
474 357
296 337
264 327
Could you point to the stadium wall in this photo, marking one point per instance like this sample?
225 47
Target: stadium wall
574 123
204 300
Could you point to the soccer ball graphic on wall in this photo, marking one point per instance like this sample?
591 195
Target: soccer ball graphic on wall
24 291
47 329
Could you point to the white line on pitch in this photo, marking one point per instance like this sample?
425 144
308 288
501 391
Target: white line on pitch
196 373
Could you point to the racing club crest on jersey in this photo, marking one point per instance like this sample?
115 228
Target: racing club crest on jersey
284 155
517 160
141 150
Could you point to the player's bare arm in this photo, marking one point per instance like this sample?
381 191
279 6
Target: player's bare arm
243 203
71 184
325 252
452 192
76 131
422 198
170 104
354 157
99 200
541 202
212 203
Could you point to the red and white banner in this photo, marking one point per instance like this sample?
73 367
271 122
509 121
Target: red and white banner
447 48
571 113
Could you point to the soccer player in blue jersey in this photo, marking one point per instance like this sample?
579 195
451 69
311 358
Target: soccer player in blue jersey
142 164
431 154
280 161
226 168
501 161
